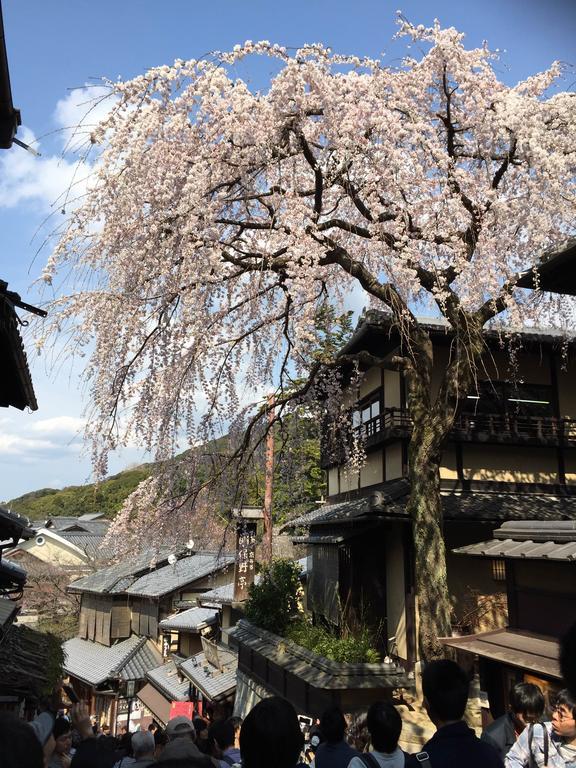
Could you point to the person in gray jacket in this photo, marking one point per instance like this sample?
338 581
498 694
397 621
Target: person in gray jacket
181 749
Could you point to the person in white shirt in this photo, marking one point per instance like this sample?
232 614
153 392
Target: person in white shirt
385 725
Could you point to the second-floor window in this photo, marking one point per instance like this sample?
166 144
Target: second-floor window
507 399
366 410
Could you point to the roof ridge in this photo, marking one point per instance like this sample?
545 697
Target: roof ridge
131 653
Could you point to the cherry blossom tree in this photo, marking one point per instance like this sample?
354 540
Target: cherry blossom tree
221 220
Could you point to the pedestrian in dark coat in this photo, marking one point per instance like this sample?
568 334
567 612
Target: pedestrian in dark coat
333 752
445 687
526 706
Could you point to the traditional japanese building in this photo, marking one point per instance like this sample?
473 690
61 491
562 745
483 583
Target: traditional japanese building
538 560
128 627
511 455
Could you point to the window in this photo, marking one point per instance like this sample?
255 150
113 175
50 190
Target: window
510 399
366 411
499 570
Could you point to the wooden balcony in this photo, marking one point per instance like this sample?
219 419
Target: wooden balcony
491 428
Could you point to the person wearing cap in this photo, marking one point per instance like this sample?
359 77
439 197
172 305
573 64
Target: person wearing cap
181 749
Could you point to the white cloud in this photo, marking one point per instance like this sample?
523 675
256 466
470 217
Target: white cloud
17 445
59 425
80 111
53 180
48 181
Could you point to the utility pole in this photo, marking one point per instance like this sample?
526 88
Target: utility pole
269 479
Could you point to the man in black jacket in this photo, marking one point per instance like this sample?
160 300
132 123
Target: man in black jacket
445 687
526 706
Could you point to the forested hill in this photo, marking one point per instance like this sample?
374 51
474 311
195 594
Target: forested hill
298 483
75 500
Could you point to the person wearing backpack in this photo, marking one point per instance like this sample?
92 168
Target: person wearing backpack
223 732
384 725
551 744
445 686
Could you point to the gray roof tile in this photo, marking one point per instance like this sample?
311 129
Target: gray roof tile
124 573
167 680
465 505
89 543
191 620
528 550
169 578
213 683
94 663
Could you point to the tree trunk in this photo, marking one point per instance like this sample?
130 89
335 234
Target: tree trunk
425 509
432 422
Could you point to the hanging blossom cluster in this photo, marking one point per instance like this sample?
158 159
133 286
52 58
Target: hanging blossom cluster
220 220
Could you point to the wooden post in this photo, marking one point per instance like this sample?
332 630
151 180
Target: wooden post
269 480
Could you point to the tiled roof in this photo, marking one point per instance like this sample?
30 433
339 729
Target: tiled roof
78 524
213 683
344 510
223 595
15 383
8 610
166 679
117 577
169 578
465 505
192 620
529 539
528 550
94 663
146 657
87 542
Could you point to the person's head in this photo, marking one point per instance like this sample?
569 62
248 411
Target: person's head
526 704
384 724
236 724
142 744
62 733
445 686
180 727
333 725
222 732
153 727
271 735
106 729
564 715
19 745
160 741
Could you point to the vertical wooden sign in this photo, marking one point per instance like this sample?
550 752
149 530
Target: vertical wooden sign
244 569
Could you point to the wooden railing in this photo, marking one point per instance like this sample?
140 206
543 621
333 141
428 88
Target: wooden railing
485 426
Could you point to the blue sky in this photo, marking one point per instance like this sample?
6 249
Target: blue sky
56 46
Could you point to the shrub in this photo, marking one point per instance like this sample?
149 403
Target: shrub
351 648
274 601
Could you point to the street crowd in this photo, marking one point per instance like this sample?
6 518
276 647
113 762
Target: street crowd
271 736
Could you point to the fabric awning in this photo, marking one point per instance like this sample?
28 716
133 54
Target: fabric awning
156 703
516 649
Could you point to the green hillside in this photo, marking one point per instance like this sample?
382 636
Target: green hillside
75 500
298 481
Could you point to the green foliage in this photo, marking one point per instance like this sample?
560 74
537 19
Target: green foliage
54 656
351 647
274 601
107 496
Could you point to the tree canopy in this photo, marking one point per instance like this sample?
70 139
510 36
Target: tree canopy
221 222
